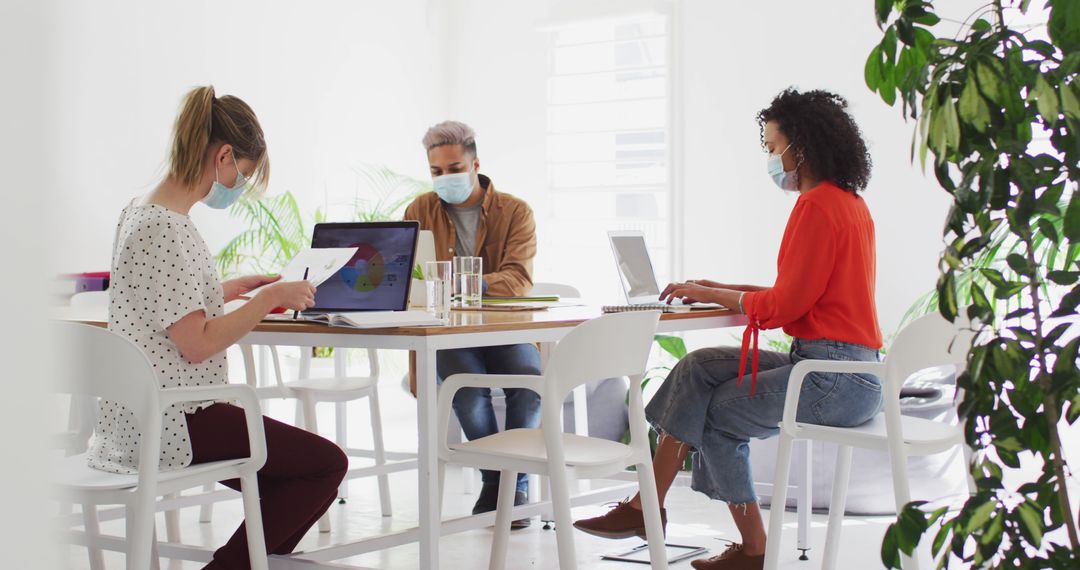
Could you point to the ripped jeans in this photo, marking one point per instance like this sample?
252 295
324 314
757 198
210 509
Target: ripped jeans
701 405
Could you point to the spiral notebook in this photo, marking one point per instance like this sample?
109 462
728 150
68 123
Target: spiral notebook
662 307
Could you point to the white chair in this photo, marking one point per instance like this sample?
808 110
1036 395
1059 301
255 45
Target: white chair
928 342
560 289
104 365
340 388
611 345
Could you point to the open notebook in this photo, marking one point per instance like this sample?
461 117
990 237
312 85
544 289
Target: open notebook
367 319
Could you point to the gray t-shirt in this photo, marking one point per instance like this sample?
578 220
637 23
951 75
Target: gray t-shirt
465 220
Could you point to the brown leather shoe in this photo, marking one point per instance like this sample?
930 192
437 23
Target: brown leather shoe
623 521
733 558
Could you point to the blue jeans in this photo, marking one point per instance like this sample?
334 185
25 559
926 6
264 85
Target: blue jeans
473 405
701 404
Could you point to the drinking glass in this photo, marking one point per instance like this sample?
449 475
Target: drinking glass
468 280
438 278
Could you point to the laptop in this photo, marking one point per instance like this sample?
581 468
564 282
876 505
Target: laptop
378 276
637 276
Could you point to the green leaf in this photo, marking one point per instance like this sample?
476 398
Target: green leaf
1062 277
882 8
672 345
981 515
1047 229
1068 304
947 296
872 70
952 124
1019 264
1046 100
988 81
890 549
1072 218
1070 102
1031 520
973 109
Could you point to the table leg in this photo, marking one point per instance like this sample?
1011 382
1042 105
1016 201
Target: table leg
427 461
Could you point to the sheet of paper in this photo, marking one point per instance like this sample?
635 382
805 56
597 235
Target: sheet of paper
321 262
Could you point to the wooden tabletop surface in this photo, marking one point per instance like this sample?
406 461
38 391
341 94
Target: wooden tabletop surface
460 321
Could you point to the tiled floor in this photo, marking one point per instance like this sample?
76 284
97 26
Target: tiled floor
693 518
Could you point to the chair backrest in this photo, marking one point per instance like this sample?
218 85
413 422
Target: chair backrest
605 347
929 341
90 299
560 289
99 363
425 247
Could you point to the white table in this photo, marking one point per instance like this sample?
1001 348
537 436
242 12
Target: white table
466 329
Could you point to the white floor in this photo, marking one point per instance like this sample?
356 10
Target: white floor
693 519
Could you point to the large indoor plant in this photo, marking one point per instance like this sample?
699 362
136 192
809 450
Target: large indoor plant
998 111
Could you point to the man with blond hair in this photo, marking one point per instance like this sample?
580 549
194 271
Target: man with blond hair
468 217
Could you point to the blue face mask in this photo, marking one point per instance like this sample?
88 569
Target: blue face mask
784 180
453 188
221 196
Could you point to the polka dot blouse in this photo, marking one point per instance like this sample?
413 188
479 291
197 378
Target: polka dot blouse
161 272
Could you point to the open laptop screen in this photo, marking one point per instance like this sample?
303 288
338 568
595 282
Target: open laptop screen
635 267
378 277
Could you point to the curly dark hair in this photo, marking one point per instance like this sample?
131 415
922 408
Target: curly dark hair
823 134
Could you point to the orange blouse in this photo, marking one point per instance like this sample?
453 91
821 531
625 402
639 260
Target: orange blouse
825 275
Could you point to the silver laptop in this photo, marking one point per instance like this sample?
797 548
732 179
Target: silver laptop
636 270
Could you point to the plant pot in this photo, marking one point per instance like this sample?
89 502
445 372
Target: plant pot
418 294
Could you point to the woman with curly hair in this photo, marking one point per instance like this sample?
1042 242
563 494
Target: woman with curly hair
823 297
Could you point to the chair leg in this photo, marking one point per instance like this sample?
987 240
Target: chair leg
341 436
206 511
779 501
249 487
380 451
311 424
155 558
172 522
504 513
804 506
140 533
93 532
564 529
836 506
650 504
442 484
901 491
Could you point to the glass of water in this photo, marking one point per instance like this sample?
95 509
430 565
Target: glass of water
468 280
438 278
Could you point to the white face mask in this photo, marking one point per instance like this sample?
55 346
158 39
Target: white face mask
785 180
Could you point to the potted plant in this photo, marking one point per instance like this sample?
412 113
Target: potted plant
981 99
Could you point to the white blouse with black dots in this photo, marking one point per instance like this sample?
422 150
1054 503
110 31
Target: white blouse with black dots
162 271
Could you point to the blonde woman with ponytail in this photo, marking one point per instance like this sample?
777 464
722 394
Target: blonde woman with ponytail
166 296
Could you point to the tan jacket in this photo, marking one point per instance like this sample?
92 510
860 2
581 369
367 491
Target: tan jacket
505 237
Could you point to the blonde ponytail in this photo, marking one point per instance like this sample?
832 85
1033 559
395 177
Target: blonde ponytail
206 120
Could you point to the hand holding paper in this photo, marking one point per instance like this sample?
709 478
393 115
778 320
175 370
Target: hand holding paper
321 264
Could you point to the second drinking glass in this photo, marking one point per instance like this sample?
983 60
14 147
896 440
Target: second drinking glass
468 280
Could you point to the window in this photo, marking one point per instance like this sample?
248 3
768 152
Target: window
608 138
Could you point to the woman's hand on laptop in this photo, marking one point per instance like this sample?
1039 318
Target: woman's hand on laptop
239 288
293 295
689 292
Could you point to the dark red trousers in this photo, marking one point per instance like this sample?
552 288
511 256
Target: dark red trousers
297 484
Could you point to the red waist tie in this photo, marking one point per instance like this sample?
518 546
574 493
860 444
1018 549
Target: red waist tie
750 336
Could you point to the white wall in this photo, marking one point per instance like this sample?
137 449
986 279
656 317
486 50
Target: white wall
26 538
337 82
735 58
333 83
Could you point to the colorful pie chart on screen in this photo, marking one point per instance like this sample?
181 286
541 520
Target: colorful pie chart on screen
365 271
